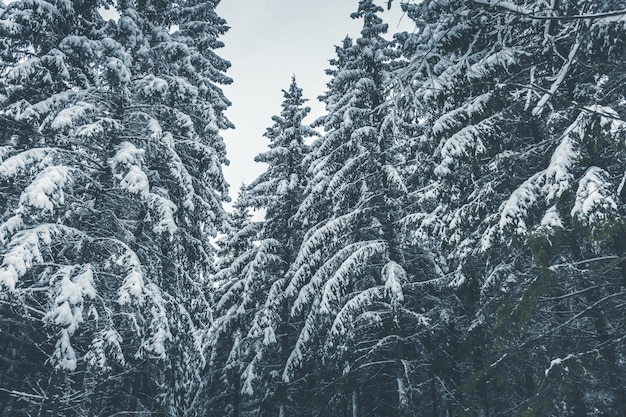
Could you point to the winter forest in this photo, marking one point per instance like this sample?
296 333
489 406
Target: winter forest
448 239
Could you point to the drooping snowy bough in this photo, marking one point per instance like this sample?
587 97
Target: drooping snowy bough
110 190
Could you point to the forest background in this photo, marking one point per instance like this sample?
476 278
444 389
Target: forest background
447 239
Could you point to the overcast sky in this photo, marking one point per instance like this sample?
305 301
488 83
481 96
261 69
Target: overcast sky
269 41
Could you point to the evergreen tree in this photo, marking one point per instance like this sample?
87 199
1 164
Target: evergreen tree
511 101
454 60
258 275
111 184
233 285
350 281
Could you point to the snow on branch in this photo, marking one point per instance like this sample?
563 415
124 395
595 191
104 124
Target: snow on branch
5 150
550 183
558 81
466 143
552 219
160 333
311 290
72 286
26 250
296 357
33 159
394 277
503 58
97 128
165 210
27 112
558 362
244 273
515 210
558 176
613 16
46 190
153 87
68 117
266 321
455 119
323 237
507 5
346 273
126 165
127 169
339 178
357 304
249 376
133 286
179 171
106 343
594 200
395 179
10 227
609 119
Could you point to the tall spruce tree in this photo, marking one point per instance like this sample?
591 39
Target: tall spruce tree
111 184
257 277
350 281
233 288
455 59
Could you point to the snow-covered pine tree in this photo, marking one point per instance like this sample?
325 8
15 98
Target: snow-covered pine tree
257 277
232 285
240 234
279 192
175 114
524 105
111 183
349 280
455 57
53 61
573 209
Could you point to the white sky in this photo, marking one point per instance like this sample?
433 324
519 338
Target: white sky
269 41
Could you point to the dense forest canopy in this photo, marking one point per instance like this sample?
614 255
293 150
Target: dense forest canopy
447 239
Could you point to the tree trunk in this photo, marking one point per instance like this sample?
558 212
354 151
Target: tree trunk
355 404
134 398
236 392
52 403
400 381
620 250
